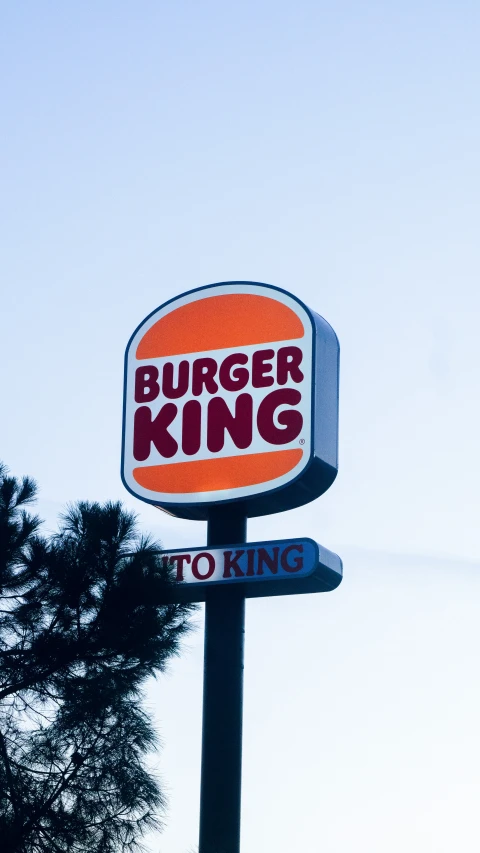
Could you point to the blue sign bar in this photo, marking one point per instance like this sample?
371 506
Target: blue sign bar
278 567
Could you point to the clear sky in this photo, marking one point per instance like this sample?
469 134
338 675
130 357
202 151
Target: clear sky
329 148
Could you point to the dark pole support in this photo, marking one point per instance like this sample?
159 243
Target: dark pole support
221 775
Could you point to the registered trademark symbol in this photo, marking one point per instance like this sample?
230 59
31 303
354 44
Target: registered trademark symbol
302 441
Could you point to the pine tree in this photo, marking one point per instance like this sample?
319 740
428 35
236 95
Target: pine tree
86 617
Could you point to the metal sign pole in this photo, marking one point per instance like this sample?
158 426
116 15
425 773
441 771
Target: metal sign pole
221 774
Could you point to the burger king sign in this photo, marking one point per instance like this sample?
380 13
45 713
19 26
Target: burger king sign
231 395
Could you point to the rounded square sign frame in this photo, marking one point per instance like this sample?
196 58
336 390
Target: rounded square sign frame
319 462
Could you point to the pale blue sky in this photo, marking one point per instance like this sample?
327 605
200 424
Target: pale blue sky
330 149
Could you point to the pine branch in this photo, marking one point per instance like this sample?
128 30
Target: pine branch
87 623
10 781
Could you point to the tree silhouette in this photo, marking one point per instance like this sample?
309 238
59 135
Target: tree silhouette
86 617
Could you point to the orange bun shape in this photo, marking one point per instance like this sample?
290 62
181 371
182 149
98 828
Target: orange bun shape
217 322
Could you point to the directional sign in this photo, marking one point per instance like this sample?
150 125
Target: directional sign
231 395
257 569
